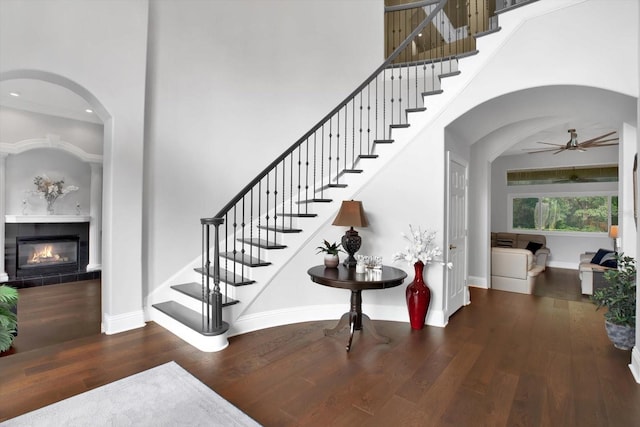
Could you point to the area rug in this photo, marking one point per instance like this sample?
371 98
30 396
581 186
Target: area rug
166 395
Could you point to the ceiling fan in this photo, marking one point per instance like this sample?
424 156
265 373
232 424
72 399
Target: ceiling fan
574 145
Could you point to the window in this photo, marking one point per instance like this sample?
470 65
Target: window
586 214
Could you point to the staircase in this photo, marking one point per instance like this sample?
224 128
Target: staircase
258 232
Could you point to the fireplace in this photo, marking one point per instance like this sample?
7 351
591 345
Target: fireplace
46 253
41 255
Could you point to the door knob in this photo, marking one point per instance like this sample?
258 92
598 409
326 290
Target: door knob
452 247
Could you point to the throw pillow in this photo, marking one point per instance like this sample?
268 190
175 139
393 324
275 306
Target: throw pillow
533 246
599 255
609 260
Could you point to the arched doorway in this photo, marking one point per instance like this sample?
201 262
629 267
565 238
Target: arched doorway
91 155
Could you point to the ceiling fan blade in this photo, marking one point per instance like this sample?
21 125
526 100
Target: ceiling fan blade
596 143
545 150
560 151
603 145
550 143
592 140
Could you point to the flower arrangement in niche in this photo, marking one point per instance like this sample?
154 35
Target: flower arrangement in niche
422 248
51 190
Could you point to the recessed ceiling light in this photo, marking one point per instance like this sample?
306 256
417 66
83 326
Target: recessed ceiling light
14 93
89 110
420 35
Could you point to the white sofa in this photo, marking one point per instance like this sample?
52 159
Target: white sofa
537 243
591 275
514 270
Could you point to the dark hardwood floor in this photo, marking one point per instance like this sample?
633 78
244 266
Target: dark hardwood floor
505 360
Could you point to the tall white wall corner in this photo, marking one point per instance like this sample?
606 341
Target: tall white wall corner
635 363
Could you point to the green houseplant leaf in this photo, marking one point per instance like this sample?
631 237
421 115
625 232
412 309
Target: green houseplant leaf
620 295
330 248
8 319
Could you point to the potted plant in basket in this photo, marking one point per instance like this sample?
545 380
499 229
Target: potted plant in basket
620 299
331 250
8 317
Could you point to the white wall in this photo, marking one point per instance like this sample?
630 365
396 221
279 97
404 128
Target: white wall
231 85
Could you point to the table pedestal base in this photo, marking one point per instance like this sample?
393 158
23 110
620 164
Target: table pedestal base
357 320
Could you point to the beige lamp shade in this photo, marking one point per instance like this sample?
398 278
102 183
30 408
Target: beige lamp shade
351 214
613 231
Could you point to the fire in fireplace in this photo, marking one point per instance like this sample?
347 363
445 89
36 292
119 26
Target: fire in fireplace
46 254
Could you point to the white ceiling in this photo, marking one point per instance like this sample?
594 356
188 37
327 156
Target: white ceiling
46 98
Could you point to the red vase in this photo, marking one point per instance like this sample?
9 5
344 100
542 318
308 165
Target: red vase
418 298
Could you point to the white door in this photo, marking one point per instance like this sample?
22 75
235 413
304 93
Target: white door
457 291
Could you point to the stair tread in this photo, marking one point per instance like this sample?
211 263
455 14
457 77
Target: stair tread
449 74
194 290
432 92
399 126
486 33
416 110
230 278
383 141
245 259
368 156
189 318
352 171
315 201
280 229
299 215
262 243
337 185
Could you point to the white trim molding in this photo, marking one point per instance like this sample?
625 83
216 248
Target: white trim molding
634 366
123 322
50 141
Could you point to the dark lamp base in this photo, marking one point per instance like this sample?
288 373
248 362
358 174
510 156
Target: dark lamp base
351 243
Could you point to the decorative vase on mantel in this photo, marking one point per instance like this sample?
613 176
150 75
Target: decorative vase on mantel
418 298
50 203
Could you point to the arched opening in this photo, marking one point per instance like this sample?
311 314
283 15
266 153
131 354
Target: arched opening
88 155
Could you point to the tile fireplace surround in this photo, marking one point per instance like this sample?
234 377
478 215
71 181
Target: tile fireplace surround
47 226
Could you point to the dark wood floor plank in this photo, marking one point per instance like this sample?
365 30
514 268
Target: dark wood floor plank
505 360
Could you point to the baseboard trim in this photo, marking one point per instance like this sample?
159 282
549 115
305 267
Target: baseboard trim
262 320
478 282
122 322
634 366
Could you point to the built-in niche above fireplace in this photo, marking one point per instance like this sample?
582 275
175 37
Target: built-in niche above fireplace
47 253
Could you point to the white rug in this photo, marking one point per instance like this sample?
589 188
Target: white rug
166 395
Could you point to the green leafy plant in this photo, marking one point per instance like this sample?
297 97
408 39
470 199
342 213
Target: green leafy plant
620 296
8 319
330 248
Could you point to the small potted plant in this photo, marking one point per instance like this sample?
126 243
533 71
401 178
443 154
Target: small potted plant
620 299
331 250
8 317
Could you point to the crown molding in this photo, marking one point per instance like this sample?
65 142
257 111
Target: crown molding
50 141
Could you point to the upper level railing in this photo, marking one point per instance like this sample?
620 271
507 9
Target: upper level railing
347 135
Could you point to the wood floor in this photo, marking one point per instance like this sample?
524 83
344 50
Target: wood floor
505 360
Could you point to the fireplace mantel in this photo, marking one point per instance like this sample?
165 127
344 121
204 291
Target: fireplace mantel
45 219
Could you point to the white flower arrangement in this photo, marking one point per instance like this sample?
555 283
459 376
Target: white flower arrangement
51 190
422 248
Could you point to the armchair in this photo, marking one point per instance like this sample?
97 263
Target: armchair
513 270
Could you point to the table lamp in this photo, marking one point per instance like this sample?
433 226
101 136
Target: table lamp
613 233
351 214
